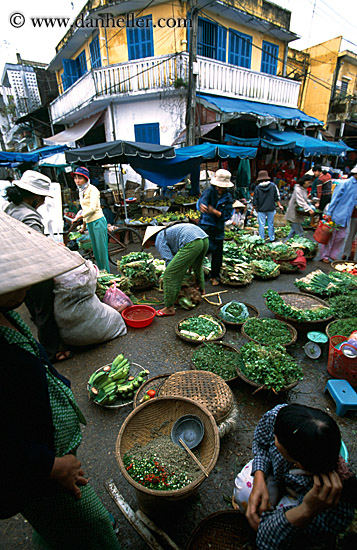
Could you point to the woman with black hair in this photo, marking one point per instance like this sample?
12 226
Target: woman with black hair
298 200
297 491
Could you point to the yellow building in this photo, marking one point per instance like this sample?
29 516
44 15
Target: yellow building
131 64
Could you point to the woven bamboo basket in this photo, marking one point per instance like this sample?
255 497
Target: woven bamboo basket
302 301
253 312
262 387
292 330
237 283
226 347
341 262
191 340
140 427
226 530
292 269
207 388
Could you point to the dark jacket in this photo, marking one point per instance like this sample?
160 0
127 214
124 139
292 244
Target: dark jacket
265 197
27 432
223 203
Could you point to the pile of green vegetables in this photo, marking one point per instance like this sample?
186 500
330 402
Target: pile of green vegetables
342 327
282 232
217 359
236 271
327 283
269 366
277 305
344 306
232 252
265 268
254 246
307 245
105 281
281 251
200 328
267 331
139 268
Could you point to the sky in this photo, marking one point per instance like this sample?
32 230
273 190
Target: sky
314 20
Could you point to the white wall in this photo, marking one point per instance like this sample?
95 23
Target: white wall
169 113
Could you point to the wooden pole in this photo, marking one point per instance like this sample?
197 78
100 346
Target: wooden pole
192 78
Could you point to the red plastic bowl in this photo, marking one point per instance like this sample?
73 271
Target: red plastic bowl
138 316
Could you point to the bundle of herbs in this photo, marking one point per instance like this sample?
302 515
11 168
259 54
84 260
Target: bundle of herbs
254 246
139 268
202 327
342 327
277 305
344 306
267 331
282 232
233 252
236 271
265 269
106 280
218 359
281 251
326 284
269 366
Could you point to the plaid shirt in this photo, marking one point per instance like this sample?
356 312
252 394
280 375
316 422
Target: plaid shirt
169 241
275 532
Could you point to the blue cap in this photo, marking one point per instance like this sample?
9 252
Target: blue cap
82 171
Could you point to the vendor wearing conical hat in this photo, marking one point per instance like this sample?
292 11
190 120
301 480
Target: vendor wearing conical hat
182 246
41 478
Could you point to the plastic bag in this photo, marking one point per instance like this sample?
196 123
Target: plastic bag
243 312
116 298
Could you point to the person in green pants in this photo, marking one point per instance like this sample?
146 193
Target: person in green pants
182 246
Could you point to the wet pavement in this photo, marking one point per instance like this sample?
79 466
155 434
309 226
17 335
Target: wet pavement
159 349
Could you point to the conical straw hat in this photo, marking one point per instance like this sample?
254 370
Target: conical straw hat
28 257
151 230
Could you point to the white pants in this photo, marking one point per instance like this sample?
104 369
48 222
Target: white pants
243 486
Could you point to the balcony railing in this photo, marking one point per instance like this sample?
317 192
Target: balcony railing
165 73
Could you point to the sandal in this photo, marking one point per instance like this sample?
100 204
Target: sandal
214 282
160 313
63 356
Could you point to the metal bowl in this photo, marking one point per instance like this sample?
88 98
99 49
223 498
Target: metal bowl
190 429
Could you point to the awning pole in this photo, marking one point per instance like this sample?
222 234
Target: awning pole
123 189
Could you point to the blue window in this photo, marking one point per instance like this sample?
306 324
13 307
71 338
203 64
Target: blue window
73 69
147 133
240 49
140 39
94 49
211 40
270 56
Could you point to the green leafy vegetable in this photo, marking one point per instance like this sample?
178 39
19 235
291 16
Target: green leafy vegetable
267 331
276 304
217 359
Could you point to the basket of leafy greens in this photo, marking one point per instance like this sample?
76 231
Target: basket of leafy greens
344 305
268 367
268 332
300 310
265 269
322 284
200 328
341 327
308 246
217 357
140 269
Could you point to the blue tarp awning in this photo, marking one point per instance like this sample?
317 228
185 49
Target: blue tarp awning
165 172
32 156
265 113
303 144
260 141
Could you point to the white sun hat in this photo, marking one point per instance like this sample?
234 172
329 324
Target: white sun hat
35 183
222 178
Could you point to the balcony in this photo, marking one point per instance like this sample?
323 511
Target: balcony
155 75
343 108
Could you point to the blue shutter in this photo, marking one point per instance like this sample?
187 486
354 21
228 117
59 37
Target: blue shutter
270 55
82 64
140 40
70 72
147 133
207 38
94 49
221 43
240 49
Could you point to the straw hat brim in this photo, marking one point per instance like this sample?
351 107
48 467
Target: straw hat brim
238 204
219 183
28 257
150 231
309 173
31 189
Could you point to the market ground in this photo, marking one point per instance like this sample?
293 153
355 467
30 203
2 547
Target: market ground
159 349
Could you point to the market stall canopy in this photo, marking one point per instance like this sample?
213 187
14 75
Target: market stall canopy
264 113
211 151
117 152
306 145
31 156
200 131
58 160
254 142
77 131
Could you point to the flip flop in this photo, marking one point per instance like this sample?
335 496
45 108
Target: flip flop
214 282
63 356
160 313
